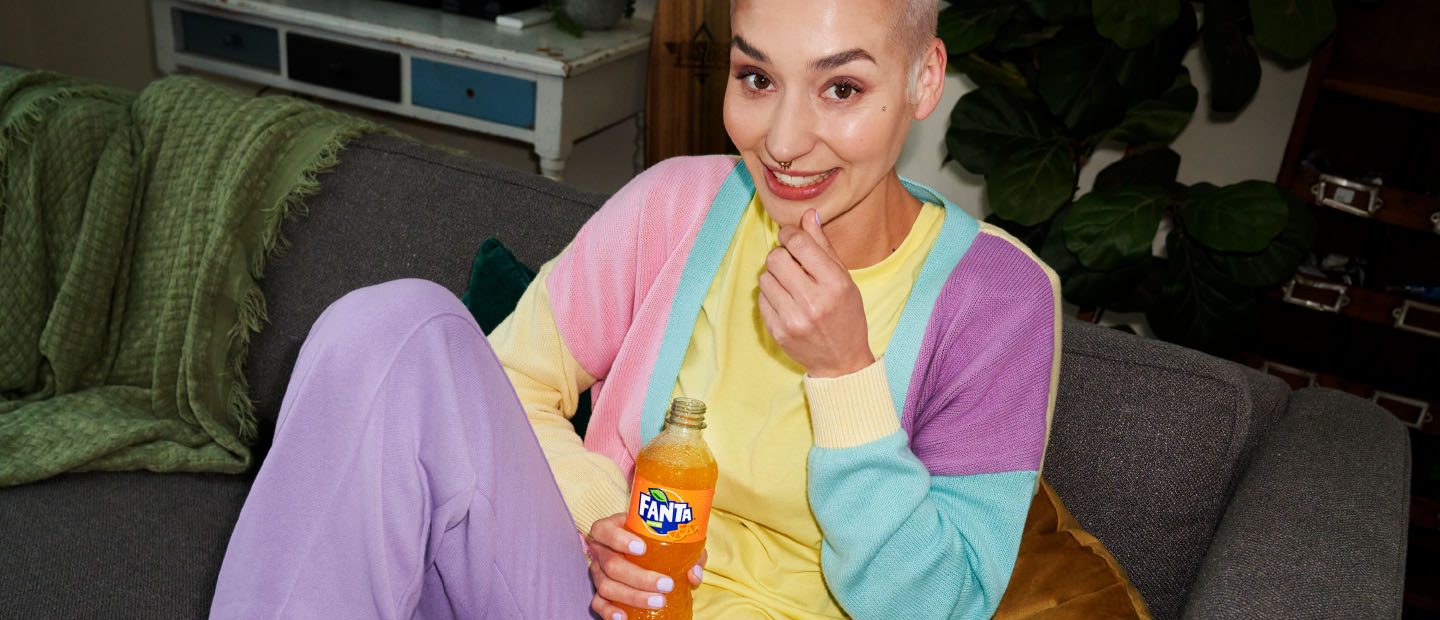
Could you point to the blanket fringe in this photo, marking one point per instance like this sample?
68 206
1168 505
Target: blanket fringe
273 245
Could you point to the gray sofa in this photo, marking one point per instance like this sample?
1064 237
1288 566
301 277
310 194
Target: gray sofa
1223 493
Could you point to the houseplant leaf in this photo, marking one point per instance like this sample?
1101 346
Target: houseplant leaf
1028 184
1088 287
1056 11
1149 70
987 121
965 26
1153 167
1197 310
1292 28
1023 32
1234 65
1108 229
1270 266
1159 119
1133 23
1077 80
1243 217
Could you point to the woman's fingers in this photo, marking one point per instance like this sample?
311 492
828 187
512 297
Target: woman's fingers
610 531
617 579
811 224
697 572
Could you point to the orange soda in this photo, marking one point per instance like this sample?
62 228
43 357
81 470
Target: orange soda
670 505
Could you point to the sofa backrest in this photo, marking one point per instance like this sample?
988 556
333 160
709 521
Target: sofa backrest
1146 446
1147 439
397 209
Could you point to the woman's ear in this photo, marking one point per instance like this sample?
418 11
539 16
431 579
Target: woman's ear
930 84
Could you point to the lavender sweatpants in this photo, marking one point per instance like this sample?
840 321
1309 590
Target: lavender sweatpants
404 481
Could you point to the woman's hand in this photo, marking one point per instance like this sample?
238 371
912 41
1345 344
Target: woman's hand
617 579
810 304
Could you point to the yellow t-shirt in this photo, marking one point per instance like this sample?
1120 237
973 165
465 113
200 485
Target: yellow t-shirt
764 542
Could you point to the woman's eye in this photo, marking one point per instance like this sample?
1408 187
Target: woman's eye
757 81
840 91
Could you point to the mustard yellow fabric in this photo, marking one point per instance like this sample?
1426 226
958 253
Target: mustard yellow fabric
1063 572
764 542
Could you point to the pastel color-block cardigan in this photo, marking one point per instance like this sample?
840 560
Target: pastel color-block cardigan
922 523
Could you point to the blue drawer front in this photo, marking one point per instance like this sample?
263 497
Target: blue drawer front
488 96
229 40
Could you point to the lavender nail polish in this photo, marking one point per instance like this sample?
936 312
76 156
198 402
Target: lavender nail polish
657 601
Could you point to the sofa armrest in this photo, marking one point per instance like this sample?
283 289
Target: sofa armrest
1317 525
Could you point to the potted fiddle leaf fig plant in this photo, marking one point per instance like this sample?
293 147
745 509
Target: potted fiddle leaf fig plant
1056 79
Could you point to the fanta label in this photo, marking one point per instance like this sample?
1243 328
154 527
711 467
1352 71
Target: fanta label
668 514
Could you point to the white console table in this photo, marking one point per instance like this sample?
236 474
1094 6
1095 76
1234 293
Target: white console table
536 85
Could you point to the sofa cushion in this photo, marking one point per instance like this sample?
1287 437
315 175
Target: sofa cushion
115 545
1146 445
397 209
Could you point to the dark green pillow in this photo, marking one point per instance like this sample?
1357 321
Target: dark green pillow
497 280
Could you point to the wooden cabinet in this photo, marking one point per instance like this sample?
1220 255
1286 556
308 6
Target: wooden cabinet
1364 313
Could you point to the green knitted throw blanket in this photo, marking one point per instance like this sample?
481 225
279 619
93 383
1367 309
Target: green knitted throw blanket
133 230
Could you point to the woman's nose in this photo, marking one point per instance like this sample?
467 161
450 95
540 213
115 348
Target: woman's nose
791 133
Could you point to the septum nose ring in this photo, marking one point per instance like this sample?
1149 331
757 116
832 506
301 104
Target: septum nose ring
785 165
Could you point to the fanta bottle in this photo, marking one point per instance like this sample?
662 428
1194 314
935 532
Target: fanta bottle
670 504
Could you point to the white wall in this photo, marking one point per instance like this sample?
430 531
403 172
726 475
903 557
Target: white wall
1249 147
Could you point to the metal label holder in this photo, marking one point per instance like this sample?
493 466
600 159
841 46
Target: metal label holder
1279 370
1403 312
1421 419
1341 300
1343 199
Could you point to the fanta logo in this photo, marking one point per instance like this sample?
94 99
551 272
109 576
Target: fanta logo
663 511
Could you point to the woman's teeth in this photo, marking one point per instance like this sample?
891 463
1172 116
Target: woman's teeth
793 181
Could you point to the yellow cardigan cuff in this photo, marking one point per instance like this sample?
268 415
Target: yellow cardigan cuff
852 409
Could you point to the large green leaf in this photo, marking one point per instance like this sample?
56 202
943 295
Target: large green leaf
1270 266
1108 229
1234 65
1150 69
1197 310
964 26
1027 185
1160 119
1154 167
1023 32
1292 28
1243 217
1088 287
1133 23
986 72
1032 236
987 121
1077 80
1056 11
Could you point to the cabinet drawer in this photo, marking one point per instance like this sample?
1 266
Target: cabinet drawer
228 39
488 96
350 68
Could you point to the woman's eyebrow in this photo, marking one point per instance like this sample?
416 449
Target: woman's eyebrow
749 50
829 62
836 60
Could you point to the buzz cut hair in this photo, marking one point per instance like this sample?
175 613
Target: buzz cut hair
913 25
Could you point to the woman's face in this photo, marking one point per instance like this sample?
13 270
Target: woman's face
820 84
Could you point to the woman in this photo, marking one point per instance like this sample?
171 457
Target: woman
880 370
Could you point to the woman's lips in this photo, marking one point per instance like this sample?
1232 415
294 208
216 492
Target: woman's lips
810 184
